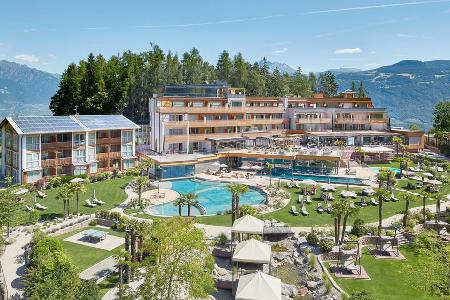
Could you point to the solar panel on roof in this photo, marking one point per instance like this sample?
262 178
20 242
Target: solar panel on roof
105 122
42 124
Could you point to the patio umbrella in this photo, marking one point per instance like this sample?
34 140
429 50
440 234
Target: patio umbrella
369 191
244 168
309 181
258 286
256 168
427 174
21 192
249 225
76 180
215 164
328 187
223 165
435 182
252 251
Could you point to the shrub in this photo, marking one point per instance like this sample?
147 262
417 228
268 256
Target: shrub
93 222
312 260
372 229
361 295
358 228
312 238
390 233
33 217
349 246
326 245
222 239
114 215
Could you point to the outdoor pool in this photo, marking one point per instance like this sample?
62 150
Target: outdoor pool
212 195
377 169
286 174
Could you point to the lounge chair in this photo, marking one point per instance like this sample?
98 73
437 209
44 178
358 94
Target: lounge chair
300 198
373 202
308 199
319 208
297 185
330 197
352 204
393 198
289 185
40 207
329 208
28 208
304 211
41 194
363 202
294 210
88 203
96 201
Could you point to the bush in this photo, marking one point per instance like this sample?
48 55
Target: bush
326 245
361 295
222 239
372 229
114 215
312 238
390 233
33 216
93 222
312 260
349 246
358 228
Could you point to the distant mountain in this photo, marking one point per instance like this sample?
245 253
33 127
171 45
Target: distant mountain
283 68
409 89
344 70
24 90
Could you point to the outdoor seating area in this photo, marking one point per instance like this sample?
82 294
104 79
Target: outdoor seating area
96 238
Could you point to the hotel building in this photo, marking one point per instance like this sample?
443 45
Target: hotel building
37 147
204 118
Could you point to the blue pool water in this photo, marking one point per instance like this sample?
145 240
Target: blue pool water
213 195
377 169
286 174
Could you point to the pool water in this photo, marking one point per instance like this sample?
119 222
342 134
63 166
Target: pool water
377 169
286 174
212 195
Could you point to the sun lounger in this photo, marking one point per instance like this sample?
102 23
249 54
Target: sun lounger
300 198
393 198
41 194
304 211
330 197
329 208
352 204
297 185
319 208
373 202
294 210
308 199
289 185
40 207
88 203
363 202
28 208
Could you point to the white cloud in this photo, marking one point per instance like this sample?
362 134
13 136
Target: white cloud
373 52
281 51
406 36
348 51
281 43
27 57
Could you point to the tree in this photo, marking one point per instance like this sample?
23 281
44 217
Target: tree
224 67
353 87
180 202
397 141
349 211
327 84
407 197
404 162
240 71
360 153
140 182
246 210
77 188
338 211
68 94
65 193
236 190
381 195
9 209
414 127
190 199
122 258
51 274
277 85
312 80
300 85
89 290
361 92
269 167
179 260
256 83
441 116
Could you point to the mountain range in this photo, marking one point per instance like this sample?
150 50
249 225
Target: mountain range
409 89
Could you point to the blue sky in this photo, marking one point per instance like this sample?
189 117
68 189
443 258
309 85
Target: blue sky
315 35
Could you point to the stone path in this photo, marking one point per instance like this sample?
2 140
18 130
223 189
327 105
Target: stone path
100 270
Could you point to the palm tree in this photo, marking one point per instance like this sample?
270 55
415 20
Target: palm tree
397 141
77 188
140 182
424 200
269 167
190 199
360 153
404 161
386 175
236 189
381 195
64 194
122 258
180 202
349 211
407 197
144 165
338 211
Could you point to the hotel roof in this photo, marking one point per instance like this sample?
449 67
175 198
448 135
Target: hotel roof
60 124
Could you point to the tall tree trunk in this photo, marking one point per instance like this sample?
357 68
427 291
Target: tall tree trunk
78 204
140 195
64 212
438 209
133 250
233 209
189 210
127 248
179 210
237 207
380 215
140 248
424 199
336 231
344 224
405 216
120 274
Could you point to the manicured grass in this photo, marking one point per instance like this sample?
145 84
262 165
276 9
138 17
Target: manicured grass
83 256
388 281
393 164
222 220
110 191
107 284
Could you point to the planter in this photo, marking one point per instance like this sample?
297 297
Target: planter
106 222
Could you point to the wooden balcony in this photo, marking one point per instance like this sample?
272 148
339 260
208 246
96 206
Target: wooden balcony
206 123
313 121
360 120
204 136
102 156
219 110
104 141
114 155
268 121
108 155
55 146
52 163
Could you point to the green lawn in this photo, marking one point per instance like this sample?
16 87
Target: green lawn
107 284
386 277
110 191
84 256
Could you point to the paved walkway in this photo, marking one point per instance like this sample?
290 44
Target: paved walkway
100 270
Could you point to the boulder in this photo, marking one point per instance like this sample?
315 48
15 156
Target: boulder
311 285
303 291
289 290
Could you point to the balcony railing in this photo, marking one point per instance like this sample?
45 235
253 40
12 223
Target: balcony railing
57 145
313 121
360 120
220 110
103 141
222 123
52 163
203 136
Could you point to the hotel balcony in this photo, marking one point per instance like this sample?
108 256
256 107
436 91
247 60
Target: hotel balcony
219 110
204 136
108 155
361 120
57 145
222 123
52 163
313 121
269 121
103 141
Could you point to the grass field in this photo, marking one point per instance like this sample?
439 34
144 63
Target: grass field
110 191
83 256
388 281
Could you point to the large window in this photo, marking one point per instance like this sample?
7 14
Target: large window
79 156
127 136
127 150
128 163
91 138
91 153
63 137
46 138
32 160
93 168
79 170
79 139
15 141
33 176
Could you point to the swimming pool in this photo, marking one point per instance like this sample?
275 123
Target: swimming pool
377 169
212 195
286 174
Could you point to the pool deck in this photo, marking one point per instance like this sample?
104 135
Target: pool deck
161 197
